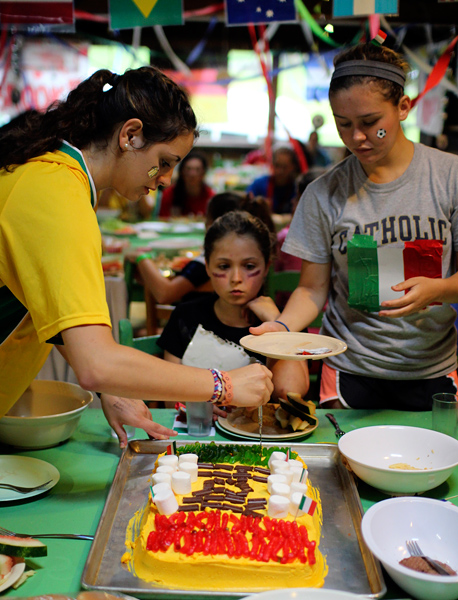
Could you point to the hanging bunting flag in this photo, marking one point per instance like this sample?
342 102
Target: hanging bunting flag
357 8
373 270
244 12
47 13
127 14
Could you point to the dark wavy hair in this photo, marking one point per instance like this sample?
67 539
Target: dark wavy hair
392 92
241 223
90 115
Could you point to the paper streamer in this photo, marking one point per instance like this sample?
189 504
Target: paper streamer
423 66
438 72
317 30
176 62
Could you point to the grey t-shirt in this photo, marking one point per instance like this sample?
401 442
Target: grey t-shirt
421 204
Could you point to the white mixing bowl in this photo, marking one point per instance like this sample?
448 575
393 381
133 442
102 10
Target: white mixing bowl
387 526
372 451
46 414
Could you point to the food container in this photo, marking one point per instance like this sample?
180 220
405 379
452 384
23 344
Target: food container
45 415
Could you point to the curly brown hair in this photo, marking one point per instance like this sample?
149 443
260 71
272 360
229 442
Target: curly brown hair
392 92
91 115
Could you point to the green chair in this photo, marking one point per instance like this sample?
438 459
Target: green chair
281 281
146 344
286 281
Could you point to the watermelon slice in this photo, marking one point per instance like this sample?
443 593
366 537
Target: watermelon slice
22 547
6 564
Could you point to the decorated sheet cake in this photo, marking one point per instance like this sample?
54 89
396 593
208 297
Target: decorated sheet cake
232 517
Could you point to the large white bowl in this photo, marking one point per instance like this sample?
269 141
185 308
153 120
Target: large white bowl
45 415
434 524
371 450
305 594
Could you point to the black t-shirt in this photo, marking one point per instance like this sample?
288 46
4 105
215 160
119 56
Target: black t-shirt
185 319
195 272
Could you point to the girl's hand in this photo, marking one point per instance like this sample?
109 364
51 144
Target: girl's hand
125 411
264 308
422 291
267 327
252 385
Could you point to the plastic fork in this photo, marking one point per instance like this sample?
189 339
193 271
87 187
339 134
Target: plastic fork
415 550
69 536
21 489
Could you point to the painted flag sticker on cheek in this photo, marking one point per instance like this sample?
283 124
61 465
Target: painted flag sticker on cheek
372 270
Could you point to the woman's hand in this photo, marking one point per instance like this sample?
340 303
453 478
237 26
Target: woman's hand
125 411
422 291
252 385
264 308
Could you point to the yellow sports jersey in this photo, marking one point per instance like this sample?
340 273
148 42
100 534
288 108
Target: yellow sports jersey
51 274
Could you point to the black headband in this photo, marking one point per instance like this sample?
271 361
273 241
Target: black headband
370 68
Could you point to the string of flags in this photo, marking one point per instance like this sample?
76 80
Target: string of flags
128 14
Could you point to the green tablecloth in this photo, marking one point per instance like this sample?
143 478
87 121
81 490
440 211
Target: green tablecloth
87 464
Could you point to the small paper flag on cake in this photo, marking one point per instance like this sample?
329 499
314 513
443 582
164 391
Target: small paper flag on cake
307 505
172 448
379 38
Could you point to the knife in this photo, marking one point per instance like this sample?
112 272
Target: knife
260 426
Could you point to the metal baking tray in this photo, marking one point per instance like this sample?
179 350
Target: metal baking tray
352 567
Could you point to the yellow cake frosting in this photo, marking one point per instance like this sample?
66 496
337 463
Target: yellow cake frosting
220 572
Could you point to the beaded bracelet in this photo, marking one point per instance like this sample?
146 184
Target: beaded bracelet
228 389
143 256
218 383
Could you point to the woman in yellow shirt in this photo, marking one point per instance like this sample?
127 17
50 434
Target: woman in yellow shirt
126 132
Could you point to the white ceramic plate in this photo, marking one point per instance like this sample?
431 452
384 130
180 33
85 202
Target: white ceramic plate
305 594
28 472
223 425
13 576
290 344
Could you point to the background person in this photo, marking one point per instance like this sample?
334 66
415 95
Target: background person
279 187
394 191
190 194
124 132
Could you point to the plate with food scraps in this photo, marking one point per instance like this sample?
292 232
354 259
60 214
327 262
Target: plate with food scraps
291 345
244 425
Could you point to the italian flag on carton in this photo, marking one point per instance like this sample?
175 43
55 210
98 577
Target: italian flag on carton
372 270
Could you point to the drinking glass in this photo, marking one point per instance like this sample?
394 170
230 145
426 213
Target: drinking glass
445 413
199 417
